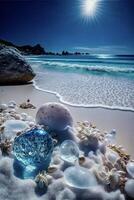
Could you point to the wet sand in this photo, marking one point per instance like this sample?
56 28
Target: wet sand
104 119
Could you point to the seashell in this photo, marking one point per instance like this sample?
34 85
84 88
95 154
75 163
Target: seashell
26 105
82 137
129 188
31 124
4 112
55 142
56 160
51 169
113 132
120 165
122 173
109 165
120 147
5 147
6 115
85 142
11 104
96 158
3 106
12 111
130 169
81 160
17 116
2 129
102 176
102 147
124 157
110 138
2 120
114 180
23 105
19 133
49 179
41 180
91 154
24 116
112 156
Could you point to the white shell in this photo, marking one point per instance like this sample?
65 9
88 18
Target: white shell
31 124
129 188
11 104
102 147
112 156
3 106
113 132
17 116
24 116
130 169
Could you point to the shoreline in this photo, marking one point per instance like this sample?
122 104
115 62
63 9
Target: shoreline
105 119
83 105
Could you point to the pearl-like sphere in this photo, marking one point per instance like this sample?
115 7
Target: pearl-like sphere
55 116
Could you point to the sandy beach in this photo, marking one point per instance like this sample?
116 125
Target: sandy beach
104 119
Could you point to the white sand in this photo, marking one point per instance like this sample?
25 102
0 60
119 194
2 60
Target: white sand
104 119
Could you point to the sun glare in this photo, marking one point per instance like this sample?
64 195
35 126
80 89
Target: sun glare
90 8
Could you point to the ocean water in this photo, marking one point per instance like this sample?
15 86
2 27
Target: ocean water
90 81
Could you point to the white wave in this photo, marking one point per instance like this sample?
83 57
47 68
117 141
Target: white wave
96 68
83 105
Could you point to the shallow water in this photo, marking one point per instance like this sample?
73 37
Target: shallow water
92 81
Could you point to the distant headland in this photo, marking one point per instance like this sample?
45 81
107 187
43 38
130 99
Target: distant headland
37 49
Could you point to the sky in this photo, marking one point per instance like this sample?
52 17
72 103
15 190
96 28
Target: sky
62 25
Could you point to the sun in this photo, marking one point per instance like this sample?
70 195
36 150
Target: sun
90 8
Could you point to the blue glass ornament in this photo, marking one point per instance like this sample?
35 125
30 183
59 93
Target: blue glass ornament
33 148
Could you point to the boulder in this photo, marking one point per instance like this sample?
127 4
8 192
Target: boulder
14 69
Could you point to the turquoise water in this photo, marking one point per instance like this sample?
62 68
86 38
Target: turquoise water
91 81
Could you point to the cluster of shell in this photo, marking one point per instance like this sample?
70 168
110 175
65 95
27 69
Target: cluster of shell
9 114
112 166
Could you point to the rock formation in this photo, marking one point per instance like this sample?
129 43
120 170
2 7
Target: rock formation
14 68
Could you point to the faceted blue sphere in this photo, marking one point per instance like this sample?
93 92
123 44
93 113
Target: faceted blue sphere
33 147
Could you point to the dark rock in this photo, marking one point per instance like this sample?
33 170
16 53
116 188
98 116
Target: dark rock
7 43
34 50
26 49
66 53
14 68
